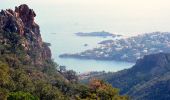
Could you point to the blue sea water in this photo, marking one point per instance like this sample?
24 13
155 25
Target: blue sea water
70 43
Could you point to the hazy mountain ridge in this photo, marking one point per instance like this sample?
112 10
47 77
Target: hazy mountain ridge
147 80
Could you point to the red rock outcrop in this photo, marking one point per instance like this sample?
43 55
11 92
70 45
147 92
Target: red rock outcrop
21 21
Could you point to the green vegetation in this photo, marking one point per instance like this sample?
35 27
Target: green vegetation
148 79
21 96
23 79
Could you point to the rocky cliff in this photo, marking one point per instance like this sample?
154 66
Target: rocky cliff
21 21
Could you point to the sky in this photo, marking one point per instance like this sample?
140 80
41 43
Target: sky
120 16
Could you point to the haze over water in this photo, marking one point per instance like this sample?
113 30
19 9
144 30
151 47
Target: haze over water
65 17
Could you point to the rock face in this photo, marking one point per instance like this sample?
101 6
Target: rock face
21 21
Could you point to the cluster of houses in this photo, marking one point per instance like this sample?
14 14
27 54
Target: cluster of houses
130 49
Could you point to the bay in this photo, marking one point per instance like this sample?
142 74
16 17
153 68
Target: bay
70 43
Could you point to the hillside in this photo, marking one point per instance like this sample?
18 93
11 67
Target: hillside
149 79
27 71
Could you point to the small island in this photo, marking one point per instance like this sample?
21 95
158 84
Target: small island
97 34
85 45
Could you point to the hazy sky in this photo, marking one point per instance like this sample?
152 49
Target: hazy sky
94 15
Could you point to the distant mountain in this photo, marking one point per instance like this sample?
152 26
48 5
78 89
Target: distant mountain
149 79
127 49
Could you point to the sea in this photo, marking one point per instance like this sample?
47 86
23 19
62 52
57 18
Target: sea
60 19
70 43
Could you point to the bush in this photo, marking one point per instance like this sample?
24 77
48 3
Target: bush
21 96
